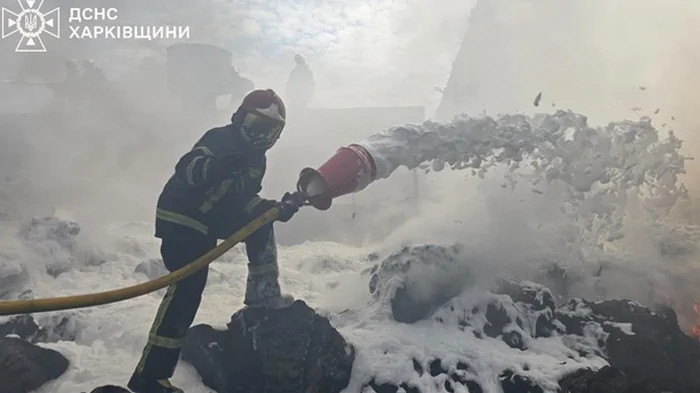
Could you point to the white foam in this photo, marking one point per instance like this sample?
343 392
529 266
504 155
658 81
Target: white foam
603 167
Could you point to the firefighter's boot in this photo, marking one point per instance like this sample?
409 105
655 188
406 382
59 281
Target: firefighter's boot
263 288
139 384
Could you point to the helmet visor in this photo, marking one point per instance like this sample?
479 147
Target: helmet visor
261 131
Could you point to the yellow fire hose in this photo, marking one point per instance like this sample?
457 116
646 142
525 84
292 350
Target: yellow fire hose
95 299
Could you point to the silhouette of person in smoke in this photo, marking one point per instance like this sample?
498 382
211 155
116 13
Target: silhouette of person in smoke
300 85
69 89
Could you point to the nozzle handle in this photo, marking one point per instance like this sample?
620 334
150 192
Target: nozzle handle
299 198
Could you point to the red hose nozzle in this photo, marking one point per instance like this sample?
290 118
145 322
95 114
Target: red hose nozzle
350 170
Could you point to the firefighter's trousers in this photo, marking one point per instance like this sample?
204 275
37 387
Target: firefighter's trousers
178 308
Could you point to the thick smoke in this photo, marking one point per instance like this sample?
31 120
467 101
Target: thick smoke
610 62
107 163
104 157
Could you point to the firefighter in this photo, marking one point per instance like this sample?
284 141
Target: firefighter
68 92
300 85
212 194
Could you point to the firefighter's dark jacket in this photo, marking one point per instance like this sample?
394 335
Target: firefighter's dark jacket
214 207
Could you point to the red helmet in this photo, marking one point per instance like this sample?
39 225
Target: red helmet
261 117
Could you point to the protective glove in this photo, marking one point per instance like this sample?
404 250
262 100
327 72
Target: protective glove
288 207
226 167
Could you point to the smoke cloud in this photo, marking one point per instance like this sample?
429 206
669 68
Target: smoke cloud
107 162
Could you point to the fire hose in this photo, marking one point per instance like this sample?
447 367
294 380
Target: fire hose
97 299
350 170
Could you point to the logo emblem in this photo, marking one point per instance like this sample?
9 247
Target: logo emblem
31 23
